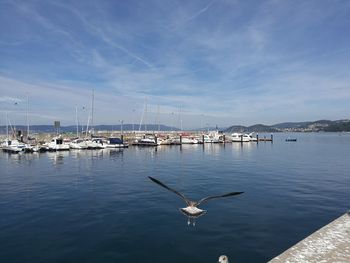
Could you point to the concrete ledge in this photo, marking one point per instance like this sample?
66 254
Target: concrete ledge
329 244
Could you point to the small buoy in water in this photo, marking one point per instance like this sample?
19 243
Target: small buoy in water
223 259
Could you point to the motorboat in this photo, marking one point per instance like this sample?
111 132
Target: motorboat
252 138
217 137
114 142
13 146
186 140
243 137
240 137
78 144
147 141
207 138
57 144
96 143
213 137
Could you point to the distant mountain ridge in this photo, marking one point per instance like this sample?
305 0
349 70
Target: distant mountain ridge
308 126
253 128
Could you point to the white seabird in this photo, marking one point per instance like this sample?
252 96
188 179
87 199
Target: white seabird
192 211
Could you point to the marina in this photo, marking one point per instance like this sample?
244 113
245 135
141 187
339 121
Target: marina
64 142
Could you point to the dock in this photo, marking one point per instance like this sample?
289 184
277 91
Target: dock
328 244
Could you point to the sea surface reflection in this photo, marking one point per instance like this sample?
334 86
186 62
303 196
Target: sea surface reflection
100 206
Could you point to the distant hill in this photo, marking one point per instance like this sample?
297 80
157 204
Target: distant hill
236 128
338 127
261 128
303 125
290 125
308 126
320 125
253 128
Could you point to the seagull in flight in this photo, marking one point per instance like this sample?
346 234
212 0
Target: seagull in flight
192 211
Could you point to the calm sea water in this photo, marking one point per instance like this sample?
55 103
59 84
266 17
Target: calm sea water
99 206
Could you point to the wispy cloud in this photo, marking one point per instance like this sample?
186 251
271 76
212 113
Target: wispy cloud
100 32
201 11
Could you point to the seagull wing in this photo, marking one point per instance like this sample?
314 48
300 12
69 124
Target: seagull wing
217 196
170 189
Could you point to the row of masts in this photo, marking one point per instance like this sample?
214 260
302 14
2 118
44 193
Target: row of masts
8 123
90 121
144 116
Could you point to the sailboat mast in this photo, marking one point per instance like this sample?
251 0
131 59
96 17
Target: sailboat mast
146 114
27 117
92 112
158 118
7 126
76 119
180 113
87 127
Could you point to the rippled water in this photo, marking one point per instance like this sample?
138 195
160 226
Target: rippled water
99 206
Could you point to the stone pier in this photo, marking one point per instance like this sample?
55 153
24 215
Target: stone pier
329 244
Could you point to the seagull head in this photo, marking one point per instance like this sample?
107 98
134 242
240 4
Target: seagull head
223 259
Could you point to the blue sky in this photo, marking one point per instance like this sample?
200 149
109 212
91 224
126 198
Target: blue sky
220 62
